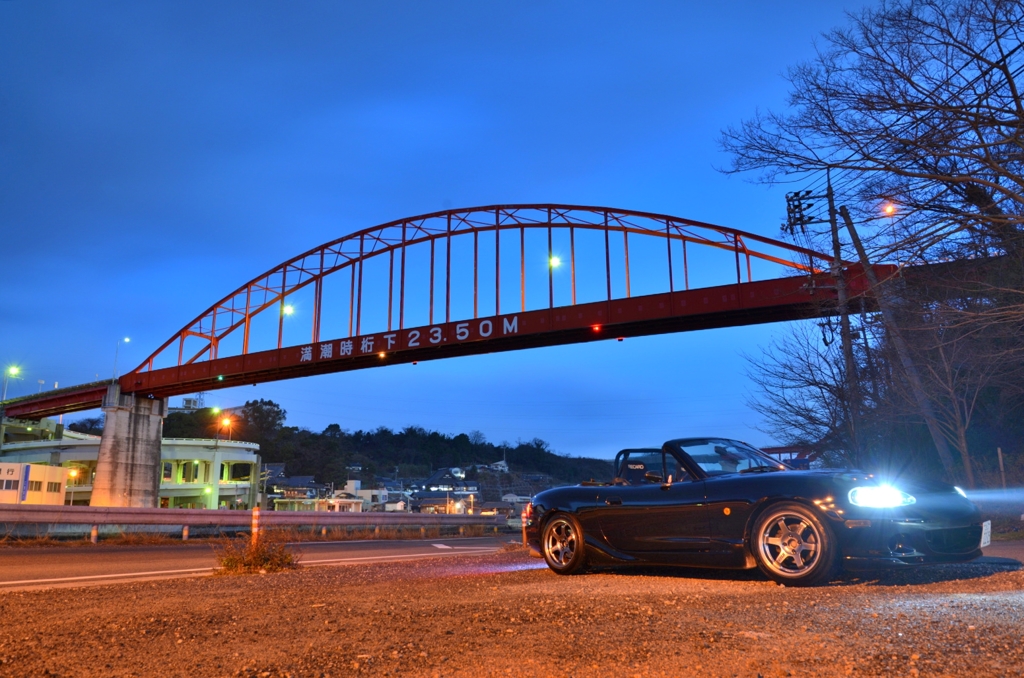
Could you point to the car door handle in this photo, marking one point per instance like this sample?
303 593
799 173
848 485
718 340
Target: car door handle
613 501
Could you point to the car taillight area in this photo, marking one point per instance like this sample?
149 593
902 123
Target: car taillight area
527 512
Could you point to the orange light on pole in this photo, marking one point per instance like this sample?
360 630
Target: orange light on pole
226 423
73 473
889 209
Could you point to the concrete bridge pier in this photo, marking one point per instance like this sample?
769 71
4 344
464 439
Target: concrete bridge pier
128 464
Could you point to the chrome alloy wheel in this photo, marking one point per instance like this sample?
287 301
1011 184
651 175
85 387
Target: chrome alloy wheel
790 544
560 542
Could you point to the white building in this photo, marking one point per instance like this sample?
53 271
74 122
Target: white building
195 473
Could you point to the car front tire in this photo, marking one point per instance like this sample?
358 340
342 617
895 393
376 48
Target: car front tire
793 545
562 544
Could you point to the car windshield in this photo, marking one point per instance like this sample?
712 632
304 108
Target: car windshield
718 457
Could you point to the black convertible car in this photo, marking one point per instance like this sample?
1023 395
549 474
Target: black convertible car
710 502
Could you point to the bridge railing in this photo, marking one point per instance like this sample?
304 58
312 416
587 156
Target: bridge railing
88 515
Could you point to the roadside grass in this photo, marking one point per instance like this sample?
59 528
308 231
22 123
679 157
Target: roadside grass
244 555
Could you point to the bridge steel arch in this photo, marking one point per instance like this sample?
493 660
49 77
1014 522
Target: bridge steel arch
200 357
206 367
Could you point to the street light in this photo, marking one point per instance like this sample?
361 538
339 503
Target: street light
117 350
11 372
73 473
555 262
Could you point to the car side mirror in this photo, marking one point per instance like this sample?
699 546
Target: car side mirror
652 477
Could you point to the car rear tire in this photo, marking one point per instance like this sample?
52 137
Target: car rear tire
562 544
793 545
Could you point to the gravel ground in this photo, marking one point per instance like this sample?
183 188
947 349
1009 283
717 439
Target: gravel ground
506 615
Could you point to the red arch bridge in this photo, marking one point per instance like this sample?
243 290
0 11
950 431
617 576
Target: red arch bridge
478 280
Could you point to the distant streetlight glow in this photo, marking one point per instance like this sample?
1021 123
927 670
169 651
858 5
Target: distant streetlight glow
11 372
117 349
889 208
225 422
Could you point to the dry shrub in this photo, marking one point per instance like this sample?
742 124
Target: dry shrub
246 556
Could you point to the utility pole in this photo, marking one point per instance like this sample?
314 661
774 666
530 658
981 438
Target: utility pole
798 217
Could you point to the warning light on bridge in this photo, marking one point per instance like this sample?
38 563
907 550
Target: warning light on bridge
596 328
288 309
381 354
220 377
555 262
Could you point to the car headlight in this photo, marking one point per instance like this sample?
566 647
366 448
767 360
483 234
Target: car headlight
880 496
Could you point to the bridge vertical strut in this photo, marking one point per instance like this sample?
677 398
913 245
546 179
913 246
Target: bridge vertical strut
448 273
401 289
213 337
522 267
551 268
280 310
686 267
391 285
318 298
476 272
625 246
572 261
351 299
736 248
668 242
432 241
607 258
359 295
497 265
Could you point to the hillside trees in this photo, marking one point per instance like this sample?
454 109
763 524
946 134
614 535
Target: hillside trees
414 451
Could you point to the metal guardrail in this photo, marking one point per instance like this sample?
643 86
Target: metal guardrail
88 515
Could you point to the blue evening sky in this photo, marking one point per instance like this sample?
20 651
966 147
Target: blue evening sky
155 156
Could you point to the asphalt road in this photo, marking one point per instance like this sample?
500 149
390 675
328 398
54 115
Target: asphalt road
56 567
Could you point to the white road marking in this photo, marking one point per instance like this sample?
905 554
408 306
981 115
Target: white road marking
104 576
441 546
395 557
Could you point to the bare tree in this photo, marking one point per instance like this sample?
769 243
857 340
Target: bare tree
917 103
802 392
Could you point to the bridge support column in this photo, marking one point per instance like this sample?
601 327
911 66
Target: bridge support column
128 464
